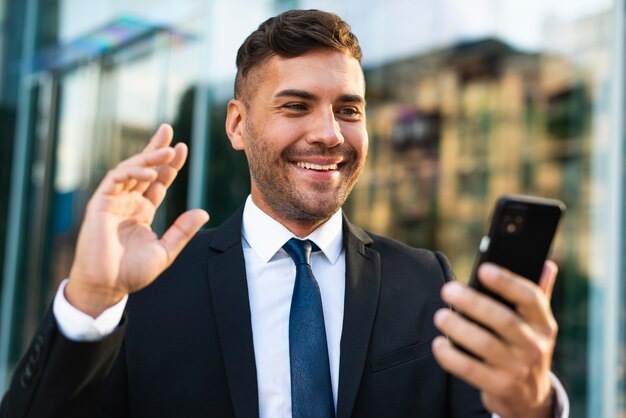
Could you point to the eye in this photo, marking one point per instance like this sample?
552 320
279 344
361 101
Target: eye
350 112
295 106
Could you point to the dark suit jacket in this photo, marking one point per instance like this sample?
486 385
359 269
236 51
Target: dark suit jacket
185 344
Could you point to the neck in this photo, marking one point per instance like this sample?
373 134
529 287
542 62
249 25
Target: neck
299 227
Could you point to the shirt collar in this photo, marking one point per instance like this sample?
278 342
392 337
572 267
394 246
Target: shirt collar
266 236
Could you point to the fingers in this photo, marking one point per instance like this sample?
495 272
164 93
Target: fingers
149 158
472 370
156 191
468 368
548 278
517 328
515 346
130 175
529 299
126 176
487 311
161 138
521 390
183 229
482 341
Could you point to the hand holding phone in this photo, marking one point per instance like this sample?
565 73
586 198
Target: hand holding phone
510 353
519 238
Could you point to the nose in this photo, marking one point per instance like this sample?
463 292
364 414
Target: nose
325 129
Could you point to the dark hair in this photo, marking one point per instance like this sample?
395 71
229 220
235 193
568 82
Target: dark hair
291 34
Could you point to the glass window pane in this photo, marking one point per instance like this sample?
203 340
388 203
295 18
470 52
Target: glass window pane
466 101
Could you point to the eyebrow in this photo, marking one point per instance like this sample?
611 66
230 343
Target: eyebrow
351 98
302 94
305 95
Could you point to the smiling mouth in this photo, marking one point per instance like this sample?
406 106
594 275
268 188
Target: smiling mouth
317 167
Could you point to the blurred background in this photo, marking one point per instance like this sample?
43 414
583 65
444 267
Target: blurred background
466 100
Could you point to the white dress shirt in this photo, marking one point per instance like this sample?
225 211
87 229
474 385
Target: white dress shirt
271 276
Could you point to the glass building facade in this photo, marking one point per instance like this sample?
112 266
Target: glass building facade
466 101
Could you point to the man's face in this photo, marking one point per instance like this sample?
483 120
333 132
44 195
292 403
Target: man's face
304 134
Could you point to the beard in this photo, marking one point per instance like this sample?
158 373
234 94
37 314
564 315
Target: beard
273 175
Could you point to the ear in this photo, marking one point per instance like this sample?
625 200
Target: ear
235 123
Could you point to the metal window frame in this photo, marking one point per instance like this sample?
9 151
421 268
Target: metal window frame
607 285
17 196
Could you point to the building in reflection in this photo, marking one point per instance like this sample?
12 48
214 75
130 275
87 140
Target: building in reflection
454 128
439 124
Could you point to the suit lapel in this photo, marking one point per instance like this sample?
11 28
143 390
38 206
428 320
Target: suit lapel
229 292
361 302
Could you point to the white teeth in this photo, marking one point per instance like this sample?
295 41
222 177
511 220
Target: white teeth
310 166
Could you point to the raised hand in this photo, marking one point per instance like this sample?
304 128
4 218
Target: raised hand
117 252
514 375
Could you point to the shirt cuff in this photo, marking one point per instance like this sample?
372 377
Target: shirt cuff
78 326
561 401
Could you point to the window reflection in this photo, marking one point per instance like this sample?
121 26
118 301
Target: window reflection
456 126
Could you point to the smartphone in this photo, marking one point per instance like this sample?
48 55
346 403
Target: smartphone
519 238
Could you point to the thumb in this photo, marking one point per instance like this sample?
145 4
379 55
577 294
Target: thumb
548 278
181 232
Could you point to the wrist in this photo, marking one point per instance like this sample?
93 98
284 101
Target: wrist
544 409
89 299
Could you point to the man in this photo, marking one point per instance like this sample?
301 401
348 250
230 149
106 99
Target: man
213 335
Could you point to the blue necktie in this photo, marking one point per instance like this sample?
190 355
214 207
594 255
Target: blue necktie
311 391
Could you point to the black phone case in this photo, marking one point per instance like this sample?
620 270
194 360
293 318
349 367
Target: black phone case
519 237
